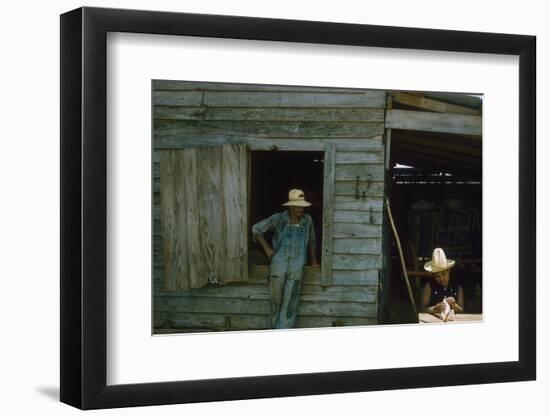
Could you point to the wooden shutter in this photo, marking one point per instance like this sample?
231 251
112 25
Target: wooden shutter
328 214
204 216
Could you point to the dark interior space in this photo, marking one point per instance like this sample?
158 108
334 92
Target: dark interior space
436 200
273 175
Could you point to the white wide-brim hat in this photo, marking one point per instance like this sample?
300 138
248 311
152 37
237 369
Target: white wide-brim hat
439 262
296 198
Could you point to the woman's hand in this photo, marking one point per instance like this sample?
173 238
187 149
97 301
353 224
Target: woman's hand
455 305
438 308
451 301
315 266
269 253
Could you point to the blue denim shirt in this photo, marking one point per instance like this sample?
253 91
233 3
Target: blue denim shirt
277 222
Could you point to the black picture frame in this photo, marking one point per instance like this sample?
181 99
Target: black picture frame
84 207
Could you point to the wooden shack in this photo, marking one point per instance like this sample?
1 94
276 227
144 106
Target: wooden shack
223 154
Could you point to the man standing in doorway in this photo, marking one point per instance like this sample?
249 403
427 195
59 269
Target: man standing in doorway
293 238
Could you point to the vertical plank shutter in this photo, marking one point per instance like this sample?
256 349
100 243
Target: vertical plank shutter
235 200
204 216
328 214
173 222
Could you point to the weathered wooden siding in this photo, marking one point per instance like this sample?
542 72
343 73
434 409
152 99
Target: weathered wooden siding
189 114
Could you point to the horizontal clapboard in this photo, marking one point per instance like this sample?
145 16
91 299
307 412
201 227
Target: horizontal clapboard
216 322
434 122
177 85
341 188
357 230
259 274
188 128
358 188
361 172
308 292
340 230
358 217
342 172
266 98
268 114
209 321
260 307
357 246
357 157
356 262
281 143
369 156
352 203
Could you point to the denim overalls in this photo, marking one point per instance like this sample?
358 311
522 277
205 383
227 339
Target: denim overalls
285 275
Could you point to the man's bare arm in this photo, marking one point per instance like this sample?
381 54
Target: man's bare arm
267 249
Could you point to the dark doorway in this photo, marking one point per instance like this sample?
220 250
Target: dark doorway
273 174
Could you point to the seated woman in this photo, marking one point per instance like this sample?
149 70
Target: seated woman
440 296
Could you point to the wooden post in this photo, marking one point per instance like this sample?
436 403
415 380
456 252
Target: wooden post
328 214
402 258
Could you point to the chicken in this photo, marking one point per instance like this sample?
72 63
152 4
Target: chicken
448 314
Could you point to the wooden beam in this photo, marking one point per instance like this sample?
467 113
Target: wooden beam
438 153
467 140
433 122
433 105
440 143
464 99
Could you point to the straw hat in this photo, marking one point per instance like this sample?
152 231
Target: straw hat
439 262
296 198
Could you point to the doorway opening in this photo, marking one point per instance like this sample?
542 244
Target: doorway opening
272 175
